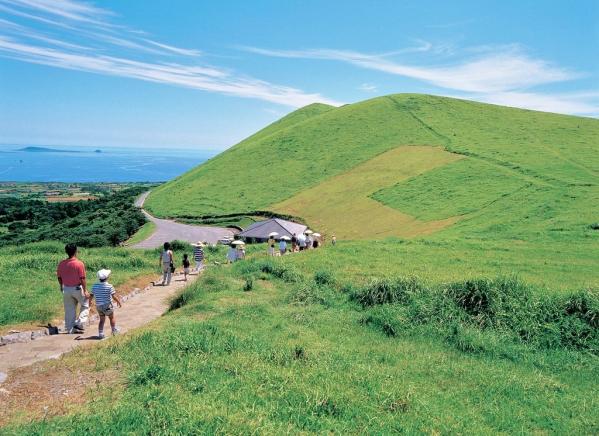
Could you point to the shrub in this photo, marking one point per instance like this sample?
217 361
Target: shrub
309 293
177 245
249 284
384 291
324 277
281 271
482 308
184 297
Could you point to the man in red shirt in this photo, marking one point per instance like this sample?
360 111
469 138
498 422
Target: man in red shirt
71 278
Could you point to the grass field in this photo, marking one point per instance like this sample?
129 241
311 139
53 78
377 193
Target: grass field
293 353
142 234
327 206
28 287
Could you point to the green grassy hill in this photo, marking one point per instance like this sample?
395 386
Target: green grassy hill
502 189
509 156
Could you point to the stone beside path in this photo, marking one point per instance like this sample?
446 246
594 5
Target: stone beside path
139 309
168 230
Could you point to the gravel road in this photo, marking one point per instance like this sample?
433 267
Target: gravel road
168 230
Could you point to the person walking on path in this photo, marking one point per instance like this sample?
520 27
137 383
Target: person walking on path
231 254
309 241
198 255
105 294
283 246
271 246
167 263
72 280
301 241
185 265
294 243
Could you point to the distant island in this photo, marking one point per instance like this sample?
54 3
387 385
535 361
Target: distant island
33 149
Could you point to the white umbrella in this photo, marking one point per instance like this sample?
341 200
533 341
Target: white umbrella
317 235
237 243
285 238
308 232
271 234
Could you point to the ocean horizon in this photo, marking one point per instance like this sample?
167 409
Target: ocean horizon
84 164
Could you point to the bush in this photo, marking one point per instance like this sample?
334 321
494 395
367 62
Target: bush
324 277
504 306
384 291
309 293
281 271
248 285
177 245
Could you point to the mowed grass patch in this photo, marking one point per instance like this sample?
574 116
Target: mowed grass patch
235 361
458 188
287 158
29 290
341 205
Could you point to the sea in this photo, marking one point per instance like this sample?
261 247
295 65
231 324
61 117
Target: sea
85 164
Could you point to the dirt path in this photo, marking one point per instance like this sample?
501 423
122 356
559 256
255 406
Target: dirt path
168 230
138 310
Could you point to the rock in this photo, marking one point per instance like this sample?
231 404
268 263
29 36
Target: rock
38 334
3 377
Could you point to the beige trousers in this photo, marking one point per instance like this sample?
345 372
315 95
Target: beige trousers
73 296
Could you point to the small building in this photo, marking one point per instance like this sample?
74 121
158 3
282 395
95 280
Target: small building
258 232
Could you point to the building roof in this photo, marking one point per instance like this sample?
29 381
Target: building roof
262 229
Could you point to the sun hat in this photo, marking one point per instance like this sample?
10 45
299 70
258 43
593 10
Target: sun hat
103 274
199 244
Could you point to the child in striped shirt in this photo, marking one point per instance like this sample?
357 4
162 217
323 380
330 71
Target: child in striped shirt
198 255
104 294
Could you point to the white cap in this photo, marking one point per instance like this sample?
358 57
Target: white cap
103 274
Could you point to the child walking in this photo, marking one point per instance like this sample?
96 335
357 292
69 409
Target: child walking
198 255
104 294
185 265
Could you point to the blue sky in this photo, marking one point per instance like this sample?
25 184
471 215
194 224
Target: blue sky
185 73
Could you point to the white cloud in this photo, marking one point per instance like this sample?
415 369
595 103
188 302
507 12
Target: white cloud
570 103
494 72
195 77
97 39
500 74
64 9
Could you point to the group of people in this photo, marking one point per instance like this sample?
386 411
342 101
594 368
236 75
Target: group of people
304 241
236 251
72 278
167 262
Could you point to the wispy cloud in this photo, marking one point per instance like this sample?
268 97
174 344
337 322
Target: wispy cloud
496 74
103 47
493 72
570 103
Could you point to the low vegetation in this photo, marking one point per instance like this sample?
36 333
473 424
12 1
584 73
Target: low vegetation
306 351
91 223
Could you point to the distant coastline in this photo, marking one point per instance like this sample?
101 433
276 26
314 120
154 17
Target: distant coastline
36 149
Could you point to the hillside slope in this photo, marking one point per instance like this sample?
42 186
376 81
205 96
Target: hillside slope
522 173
